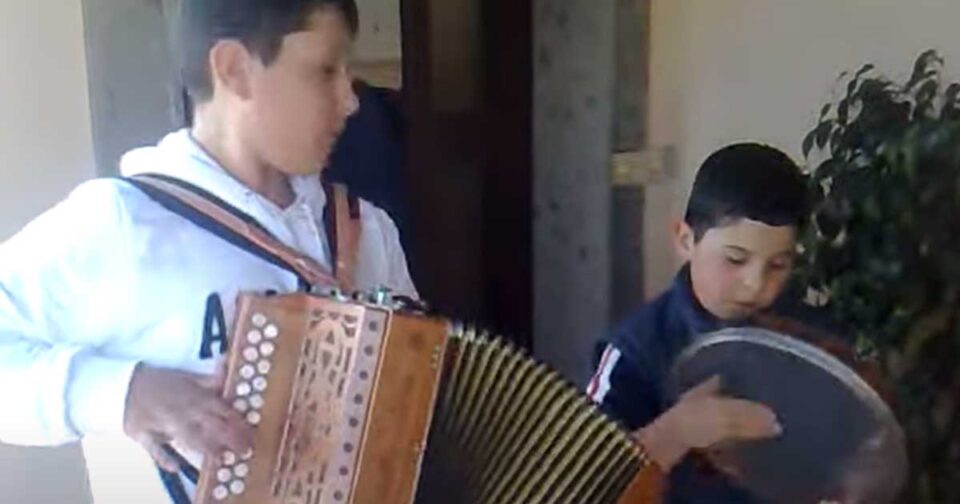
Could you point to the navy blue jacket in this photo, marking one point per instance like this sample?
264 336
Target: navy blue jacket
632 368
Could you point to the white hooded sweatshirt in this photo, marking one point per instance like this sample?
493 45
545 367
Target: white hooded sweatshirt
108 278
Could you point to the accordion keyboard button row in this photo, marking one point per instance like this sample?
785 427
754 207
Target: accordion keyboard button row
248 401
253 374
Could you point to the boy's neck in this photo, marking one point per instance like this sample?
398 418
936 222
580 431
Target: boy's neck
238 158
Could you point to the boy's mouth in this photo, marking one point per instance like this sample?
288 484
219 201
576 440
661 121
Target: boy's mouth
745 307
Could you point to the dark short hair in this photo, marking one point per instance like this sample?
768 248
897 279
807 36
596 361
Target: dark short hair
260 25
747 181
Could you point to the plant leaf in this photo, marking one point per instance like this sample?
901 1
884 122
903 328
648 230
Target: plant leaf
922 66
864 69
925 95
808 143
824 111
823 133
843 111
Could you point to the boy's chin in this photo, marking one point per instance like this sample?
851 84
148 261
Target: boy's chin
736 311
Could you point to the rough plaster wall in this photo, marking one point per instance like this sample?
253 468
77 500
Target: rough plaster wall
630 135
574 44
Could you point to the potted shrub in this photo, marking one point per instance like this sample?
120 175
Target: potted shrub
883 249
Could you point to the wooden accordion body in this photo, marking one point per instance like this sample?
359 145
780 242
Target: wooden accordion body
362 403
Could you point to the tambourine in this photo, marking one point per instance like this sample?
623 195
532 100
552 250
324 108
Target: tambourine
840 443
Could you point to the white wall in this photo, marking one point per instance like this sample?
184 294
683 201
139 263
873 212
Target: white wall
45 143
730 70
45 149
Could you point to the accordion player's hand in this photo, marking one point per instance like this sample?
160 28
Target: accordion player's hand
165 406
703 419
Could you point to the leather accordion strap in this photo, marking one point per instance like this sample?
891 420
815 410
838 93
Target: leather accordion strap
342 220
241 226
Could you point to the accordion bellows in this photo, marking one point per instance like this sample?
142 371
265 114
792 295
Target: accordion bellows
361 403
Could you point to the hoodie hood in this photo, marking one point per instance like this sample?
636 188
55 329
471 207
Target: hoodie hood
179 155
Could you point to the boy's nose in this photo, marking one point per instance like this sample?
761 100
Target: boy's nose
352 102
347 100
753 282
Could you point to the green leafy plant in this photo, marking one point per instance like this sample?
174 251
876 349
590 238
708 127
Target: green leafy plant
883 249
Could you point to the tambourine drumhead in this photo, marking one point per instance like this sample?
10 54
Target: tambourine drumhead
840 439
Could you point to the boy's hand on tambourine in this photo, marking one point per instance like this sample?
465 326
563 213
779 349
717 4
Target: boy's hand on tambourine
702 419
166 406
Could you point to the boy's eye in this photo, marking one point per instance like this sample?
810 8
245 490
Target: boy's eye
736 260
778 266
327 72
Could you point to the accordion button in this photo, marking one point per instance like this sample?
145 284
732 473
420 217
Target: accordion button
240 405
260 384
251 354
247 455
263 366
229 458
271 331
247 371
256 401
267 349
253 418
241 470
254 337
243 389
224 475
220 492
237 487
259 319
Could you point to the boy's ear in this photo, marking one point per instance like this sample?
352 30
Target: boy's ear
684 239
230 67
